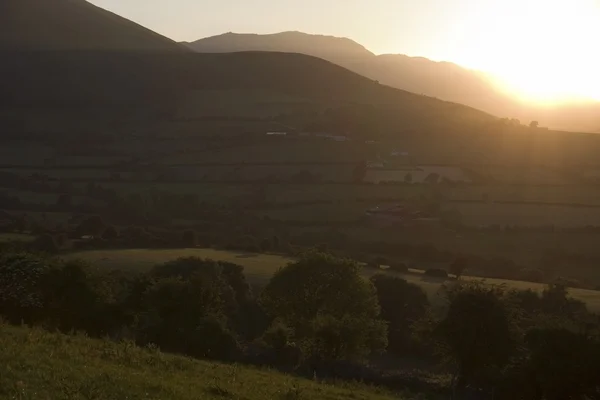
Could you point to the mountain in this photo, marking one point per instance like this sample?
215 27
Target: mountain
225 85
443 80
72 25
326 47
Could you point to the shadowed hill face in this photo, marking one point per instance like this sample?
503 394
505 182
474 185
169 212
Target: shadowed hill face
77 80
444 80
72 25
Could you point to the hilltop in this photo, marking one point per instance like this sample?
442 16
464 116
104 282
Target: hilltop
73 25
444 80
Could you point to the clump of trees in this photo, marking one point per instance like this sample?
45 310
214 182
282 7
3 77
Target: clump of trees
332 312
317 315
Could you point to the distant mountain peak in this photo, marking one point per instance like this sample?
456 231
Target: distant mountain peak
288 42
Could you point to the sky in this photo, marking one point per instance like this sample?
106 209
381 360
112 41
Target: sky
542 50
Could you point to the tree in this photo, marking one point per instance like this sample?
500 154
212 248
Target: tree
189 238
21 292
562 365
458 267
187 315
110 233
332 310
534 124
477 332
46 244
402 304
93 226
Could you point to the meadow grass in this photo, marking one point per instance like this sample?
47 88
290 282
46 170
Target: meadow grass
260 267
35 364
257 267
15 237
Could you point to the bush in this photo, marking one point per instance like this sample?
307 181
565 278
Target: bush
436 273
110 233
400 268
532 275
92 226
46 244
381 261
189 238
22 295
266 245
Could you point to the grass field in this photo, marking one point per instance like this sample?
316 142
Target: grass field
35 364
260 267
15 237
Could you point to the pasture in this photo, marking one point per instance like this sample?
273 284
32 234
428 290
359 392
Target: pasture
260 267
15 237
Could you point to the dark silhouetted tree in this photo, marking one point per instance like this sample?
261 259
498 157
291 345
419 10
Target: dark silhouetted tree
477 332
458 267
402 304
110 233
333 311
189 238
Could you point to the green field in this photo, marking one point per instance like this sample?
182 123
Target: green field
260 267
35 364
15 237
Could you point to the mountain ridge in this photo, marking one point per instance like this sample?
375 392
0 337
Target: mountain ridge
442 79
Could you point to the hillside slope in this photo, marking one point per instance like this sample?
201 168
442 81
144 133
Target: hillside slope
72 25
76 80
443 80
39 365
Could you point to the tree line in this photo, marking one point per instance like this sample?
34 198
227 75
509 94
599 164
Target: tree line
318 316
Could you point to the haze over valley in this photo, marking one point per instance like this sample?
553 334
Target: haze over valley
292 216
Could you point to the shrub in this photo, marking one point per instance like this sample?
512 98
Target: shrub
189 238
458 267
21 291
93 226
46 244
266 245
436 273
532 275
110 233
399 267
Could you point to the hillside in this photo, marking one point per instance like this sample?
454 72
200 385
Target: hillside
72 25
251 85
443 80
36 364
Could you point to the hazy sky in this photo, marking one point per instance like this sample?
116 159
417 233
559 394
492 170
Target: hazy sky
529 43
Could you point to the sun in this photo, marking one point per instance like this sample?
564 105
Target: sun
543 51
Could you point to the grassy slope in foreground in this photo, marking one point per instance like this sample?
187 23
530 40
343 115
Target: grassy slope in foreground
35 364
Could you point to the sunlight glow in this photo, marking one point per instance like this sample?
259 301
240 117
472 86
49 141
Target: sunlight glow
543 51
